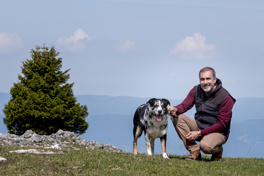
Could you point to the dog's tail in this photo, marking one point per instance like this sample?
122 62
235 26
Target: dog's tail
137 130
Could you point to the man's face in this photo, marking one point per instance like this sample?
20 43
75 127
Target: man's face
207 81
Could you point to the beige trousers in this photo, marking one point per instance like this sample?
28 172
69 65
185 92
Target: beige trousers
209 144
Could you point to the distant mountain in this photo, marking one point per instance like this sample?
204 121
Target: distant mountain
248 108
246 139
244 109
110 121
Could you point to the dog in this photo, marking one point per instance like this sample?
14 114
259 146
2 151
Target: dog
152 118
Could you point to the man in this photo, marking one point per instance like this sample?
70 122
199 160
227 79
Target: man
211 125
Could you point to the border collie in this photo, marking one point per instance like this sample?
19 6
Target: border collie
152 118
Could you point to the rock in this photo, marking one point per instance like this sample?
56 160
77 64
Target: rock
55 146
59 140
36 138
2 160
28 134
35 151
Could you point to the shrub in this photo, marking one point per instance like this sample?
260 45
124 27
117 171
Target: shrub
42 100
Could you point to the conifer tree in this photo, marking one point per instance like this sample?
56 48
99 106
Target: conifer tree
42 100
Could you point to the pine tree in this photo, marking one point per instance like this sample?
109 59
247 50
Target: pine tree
42 100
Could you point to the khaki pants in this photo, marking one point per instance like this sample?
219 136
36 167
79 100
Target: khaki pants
209 144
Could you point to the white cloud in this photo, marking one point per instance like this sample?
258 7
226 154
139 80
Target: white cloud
76 42
194 46
9 42
127 46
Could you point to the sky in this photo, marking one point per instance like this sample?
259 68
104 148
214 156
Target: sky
138 48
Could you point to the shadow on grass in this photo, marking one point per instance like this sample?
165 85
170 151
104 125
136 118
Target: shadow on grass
182 157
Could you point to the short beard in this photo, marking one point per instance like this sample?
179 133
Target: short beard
208 89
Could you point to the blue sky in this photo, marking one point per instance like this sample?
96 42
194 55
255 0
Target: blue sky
142 48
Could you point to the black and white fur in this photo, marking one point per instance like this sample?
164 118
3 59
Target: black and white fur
152 118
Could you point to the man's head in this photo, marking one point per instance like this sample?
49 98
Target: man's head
207 79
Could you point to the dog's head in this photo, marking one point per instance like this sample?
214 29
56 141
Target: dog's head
158 107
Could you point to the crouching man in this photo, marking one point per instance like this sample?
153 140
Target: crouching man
211 125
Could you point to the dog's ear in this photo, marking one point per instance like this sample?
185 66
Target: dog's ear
151 101
167 102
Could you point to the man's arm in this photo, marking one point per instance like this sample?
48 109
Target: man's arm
187 103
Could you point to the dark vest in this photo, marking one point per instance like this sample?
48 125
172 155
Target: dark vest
207 107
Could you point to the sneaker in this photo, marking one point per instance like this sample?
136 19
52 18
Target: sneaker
217 156
196 155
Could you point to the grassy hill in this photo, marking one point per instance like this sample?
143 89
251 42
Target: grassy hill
100 162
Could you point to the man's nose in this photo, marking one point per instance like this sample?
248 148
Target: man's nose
204 82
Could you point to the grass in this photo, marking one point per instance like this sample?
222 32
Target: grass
100 162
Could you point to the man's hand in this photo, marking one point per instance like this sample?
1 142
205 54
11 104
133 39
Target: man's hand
172 110
193 135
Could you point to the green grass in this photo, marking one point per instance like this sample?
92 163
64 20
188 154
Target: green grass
100 162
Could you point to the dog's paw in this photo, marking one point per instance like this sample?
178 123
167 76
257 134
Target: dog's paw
165 156
150 154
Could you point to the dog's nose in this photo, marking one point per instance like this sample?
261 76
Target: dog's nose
159 111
